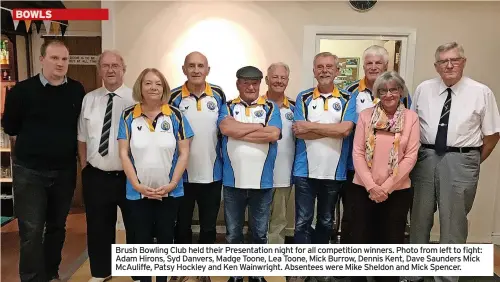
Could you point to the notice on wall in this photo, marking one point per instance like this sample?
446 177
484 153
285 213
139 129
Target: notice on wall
83 60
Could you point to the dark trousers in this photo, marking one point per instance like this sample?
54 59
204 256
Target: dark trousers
103 193
382 223
156 217
207 196
42 203
344 224
306 191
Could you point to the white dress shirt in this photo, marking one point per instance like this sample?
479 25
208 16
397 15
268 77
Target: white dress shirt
473 113
91 121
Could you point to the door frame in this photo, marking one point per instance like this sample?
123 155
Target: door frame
313 33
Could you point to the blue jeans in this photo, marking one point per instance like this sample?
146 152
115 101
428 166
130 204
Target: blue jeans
259 207
306 191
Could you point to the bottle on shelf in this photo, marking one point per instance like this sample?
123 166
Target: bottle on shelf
4 140
5 74
2 54
6 48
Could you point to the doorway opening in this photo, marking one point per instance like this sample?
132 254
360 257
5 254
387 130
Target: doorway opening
349 43
350 53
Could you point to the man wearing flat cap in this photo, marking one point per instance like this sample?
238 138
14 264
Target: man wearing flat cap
251 127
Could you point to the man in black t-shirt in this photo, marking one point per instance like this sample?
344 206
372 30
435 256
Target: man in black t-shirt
40 117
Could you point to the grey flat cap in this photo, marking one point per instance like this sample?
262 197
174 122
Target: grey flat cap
249 72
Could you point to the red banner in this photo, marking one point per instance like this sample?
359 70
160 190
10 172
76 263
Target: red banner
61 14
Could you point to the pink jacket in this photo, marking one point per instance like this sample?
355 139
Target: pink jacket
378 175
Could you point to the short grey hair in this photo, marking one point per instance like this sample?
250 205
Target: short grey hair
326 54
376 50
114 52
279 64
386 77
449 46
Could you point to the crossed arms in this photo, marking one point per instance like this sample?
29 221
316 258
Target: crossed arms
312 130
250 132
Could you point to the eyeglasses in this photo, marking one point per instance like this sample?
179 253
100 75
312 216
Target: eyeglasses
383 91
113 67
454 62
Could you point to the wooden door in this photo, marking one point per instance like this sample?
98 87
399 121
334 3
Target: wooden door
86 73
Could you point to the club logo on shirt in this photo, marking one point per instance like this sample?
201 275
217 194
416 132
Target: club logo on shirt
184 109
211 105
165 126
362 100
236 112
259 113
289 116
337 106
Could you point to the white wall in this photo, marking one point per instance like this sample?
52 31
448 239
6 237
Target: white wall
160 34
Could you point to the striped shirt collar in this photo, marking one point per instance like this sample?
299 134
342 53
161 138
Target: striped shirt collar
137 112
186 93
286 102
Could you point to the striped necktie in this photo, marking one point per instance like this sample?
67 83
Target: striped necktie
442 133
106 127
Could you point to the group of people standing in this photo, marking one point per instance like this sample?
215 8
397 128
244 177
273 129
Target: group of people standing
154 152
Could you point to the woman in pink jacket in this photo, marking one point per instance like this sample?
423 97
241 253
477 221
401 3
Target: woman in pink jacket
385 150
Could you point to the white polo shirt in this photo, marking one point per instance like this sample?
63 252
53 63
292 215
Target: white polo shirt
324 158
473 113
286 146
249 165
205 159
91 121
153 146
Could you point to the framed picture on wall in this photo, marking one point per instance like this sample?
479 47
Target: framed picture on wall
349 71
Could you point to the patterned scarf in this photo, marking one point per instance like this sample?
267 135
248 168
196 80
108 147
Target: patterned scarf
380 121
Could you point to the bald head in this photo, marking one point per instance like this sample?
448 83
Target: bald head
196 68
195 56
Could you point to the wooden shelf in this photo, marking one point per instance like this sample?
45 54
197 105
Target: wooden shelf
4 149
6 180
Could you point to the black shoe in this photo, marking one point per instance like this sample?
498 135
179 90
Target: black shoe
261 279
233 279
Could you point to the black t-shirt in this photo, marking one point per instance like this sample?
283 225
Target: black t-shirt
44 119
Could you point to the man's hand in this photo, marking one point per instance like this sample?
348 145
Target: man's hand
378 195
147 192
300 127
165 189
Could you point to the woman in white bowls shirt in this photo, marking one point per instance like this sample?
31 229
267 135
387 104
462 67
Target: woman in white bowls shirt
154 142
